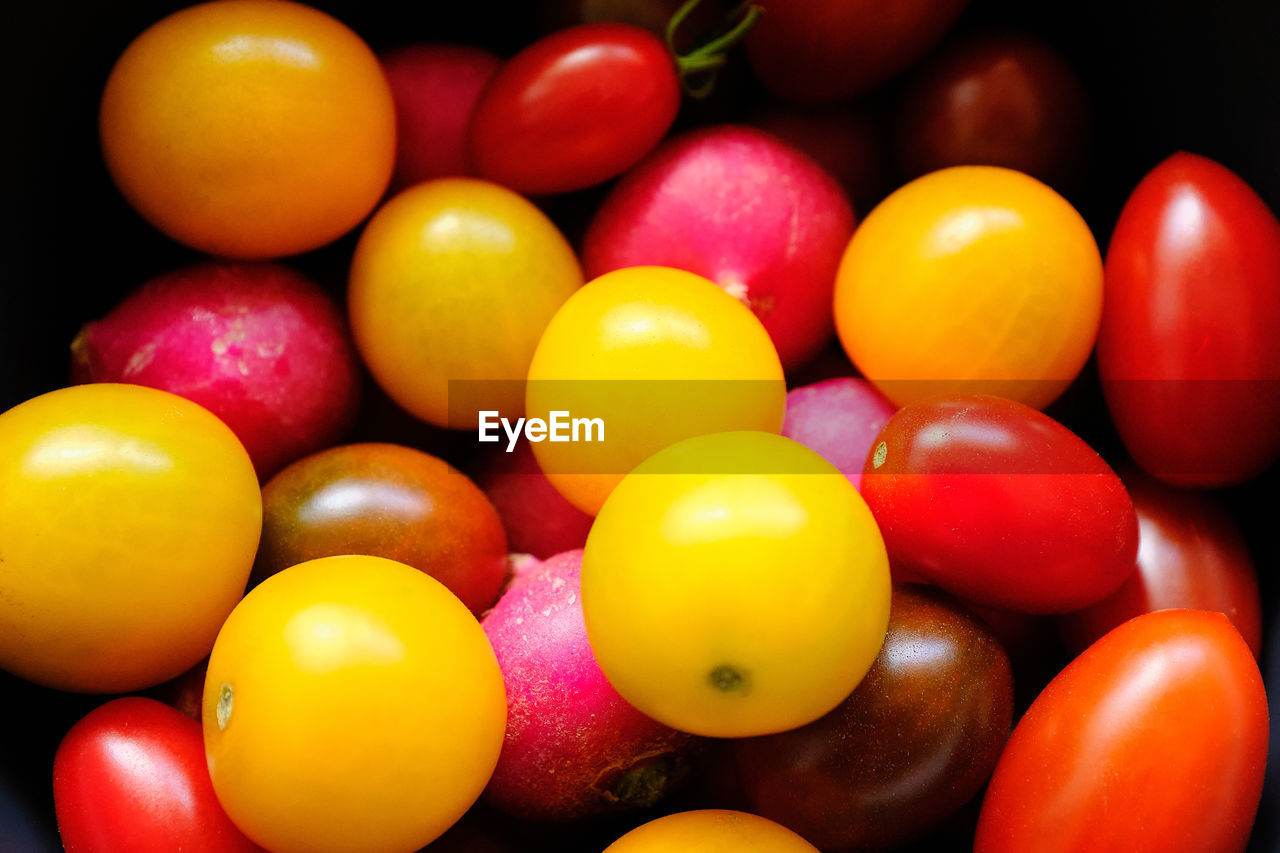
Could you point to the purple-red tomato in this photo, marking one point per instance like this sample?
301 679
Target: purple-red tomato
845 139
573 746
575 108
838 419
384 500
1190 555
260 346
994 99
916 739
744 209
1188 351
818 51
1154 739
435 87
999 504
537 518
132 776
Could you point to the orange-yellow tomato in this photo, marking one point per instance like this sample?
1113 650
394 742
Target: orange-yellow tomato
657 355
351 703
735 585
973 278
249 128
452 283
711 831
129 518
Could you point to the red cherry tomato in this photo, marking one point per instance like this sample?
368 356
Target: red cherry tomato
818 51
999 504
574 108
1154 739
1190 554
131 776
1188 350
995 99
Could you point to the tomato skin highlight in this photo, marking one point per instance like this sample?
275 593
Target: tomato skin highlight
1187 351
573 109
131 775
1000 505
1154 739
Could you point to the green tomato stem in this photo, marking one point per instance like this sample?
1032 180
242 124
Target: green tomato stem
704 61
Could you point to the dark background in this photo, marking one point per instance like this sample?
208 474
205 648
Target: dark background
1163 76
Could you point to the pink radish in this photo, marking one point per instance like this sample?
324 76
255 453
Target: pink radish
260 346
744 209
838 419
537 518
573 747
435 88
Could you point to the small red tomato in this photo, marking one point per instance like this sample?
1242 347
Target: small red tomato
1190 554
818 51
574 108
1188 350
999 504
1154 739
131 776
994 99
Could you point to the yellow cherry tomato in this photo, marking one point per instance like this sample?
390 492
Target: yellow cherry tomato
711 831
974 278
249 128
657 355
735 585
351 703
452 283
129 518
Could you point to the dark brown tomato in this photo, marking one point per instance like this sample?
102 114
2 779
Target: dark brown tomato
994 99
389 501
916 739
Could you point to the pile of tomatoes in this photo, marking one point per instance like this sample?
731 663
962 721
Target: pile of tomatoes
902 526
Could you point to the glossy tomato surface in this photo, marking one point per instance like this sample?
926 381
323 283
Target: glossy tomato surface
994 99
573 109
999 504
916 739
132 776
1190 554
711 831
130 519
249 129
817 51
1188 350
389 501
1154 739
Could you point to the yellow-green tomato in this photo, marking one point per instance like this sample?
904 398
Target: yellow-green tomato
129 518
452 283
351 704
976 279
656 355
734 585
711 831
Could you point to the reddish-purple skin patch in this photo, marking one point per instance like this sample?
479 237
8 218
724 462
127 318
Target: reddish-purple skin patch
838 419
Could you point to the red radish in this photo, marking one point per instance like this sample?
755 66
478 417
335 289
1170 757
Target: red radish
573 747
838 419
435 88
131 775
537 518
846 139
744 209
260 346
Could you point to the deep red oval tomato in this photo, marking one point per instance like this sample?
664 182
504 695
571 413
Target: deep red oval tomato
818 51
1190 554
999 504
916 739
574 108
131 776
1154 739
1188 350
994 99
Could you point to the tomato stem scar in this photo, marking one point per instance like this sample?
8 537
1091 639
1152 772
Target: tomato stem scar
877 459
727 679
224 706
